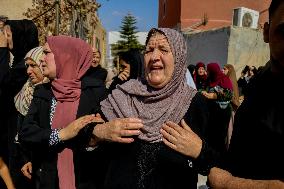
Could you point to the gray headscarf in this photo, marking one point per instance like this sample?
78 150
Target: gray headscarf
154 107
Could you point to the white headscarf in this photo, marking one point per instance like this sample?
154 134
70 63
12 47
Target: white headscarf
24 98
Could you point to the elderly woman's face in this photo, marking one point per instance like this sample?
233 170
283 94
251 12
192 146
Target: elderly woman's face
33 71
48 62
96 58
159 61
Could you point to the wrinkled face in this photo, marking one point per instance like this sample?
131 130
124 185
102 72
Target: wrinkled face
274 35
201 71
48 62
159 61
225 71
123 66
33 71
96 59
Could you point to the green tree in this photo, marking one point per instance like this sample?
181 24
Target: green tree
128 36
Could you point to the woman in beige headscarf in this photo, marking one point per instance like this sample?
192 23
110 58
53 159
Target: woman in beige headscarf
34 70
229 70
22 102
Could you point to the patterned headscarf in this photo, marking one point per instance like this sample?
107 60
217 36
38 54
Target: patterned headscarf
24 97
154 107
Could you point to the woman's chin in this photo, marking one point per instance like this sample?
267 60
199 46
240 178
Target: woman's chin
156 84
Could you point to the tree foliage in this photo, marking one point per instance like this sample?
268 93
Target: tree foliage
77 17
128 32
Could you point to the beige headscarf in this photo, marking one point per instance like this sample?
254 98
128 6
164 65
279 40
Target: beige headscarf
24 98
232 75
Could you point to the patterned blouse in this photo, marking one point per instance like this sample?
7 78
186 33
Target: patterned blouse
54 136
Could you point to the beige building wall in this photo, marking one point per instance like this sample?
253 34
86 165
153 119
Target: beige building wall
99 41
246 47
14 9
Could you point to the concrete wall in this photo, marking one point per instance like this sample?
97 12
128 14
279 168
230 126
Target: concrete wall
246 47
209 46
230 45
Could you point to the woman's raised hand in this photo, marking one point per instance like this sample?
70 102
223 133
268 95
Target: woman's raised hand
124 75
73 128
181 138
8 32
118 130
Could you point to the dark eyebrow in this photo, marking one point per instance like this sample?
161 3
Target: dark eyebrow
32 64
164 45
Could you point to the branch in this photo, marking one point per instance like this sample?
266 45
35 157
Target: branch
52 7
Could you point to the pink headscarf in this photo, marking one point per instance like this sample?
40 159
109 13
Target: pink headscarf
216 77
73 58
200 64
197 77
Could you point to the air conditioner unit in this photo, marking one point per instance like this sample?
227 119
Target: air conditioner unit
244 17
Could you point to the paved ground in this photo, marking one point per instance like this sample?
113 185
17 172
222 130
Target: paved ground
201 182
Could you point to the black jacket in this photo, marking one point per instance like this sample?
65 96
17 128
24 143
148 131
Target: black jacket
36 130
154 165
97 74
258 138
